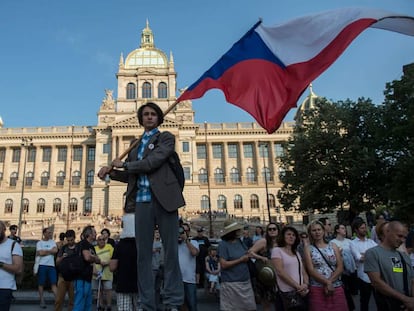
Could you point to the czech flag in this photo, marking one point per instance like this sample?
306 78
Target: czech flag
268 69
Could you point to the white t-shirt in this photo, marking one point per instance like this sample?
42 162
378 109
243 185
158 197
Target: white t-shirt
187 262
7 280
48 260
344 244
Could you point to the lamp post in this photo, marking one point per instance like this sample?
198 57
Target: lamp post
70 179
264 145
208 183
26 143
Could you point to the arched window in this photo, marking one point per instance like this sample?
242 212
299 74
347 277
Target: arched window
73 205
130 91
218 176
13 179
238 201
76 177
29 179
146 90
251 175
267 174
204 203
60 178
235 175
89 178
44 179
162 90
222 203
87 208
202 176
272 201
41 205
57 205
254 201
8 206
25 205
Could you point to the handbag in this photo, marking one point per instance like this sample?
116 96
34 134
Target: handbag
292 300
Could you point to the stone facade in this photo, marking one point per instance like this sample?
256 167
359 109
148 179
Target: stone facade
60 163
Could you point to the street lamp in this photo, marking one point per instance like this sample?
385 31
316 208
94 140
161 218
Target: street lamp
26 143
264 145
210 221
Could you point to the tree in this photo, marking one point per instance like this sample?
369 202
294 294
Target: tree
397 137
332 159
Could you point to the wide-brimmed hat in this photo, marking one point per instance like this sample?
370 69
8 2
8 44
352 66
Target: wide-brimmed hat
266 274
232 227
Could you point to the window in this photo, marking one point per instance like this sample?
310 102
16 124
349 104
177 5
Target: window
2 154
76 177
217 151
73 205
254 201
248 150
31 156
267 175
282 172
87 208
187 173
235 175
202 176
289 219
272 201
146 90
279 150
162 90
218 176
232 150
44 179
106 148
204 203
41 206
29 179
57 205
60 178
62 154
25 205
251 175
89 178
16 155
77 153
1 176
201 152
8 206
238 202
91 153
186 146
47 154
130 91
13 179
222 203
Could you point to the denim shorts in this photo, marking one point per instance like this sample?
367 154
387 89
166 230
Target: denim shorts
46 273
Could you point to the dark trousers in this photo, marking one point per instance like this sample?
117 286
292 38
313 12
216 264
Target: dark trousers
365 290
347 281
5 299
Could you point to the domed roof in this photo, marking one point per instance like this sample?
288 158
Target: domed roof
307 104
147 55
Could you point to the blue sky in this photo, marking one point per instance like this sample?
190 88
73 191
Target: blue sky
57 57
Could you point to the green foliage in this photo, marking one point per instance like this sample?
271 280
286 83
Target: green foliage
353 154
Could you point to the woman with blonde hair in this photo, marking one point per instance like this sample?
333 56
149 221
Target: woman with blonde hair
324 265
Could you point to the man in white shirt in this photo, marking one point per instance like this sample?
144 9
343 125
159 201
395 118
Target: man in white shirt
11 263
46 249
359 246
187 253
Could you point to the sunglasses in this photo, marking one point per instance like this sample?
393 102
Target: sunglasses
272 229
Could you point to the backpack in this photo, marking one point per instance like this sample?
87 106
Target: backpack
18 276
175 165
71 266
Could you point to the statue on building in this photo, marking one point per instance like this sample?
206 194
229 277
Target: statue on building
108 103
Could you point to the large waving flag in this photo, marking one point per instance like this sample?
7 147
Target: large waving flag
268 69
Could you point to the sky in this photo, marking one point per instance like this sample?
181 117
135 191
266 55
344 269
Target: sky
58 57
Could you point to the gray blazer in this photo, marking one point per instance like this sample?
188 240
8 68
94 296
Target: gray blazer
163 183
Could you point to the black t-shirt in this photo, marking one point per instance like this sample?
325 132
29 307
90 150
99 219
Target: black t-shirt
65 249
203 244
87 270
126 253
